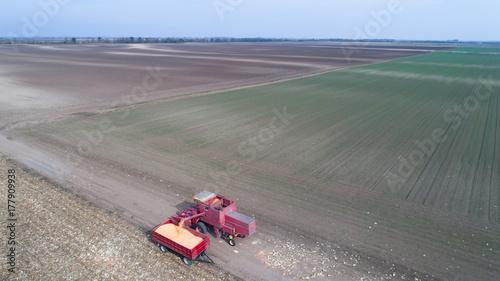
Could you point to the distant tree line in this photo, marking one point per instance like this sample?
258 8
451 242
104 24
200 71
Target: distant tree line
141 40
132 40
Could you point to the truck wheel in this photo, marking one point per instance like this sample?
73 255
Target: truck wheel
200 227
187 261
231 242
163 248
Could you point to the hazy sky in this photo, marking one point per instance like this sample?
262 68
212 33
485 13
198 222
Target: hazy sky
374 19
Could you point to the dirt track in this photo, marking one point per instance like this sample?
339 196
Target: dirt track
278 250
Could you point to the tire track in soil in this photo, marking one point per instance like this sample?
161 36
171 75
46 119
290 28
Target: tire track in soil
384 159
388 155
373 139
477 199
458 188
373 187
430 158
436 172
494 201
444 193
372 173
468 187
451 165
451 189
359 141
473 164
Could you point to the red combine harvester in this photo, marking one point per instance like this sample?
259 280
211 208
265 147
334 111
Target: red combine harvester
217 212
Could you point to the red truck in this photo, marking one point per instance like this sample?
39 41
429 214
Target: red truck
218 212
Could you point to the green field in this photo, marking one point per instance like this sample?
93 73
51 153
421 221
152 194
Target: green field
421 130
424 129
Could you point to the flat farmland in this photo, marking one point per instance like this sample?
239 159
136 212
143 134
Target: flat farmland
395 163
49 85
44 80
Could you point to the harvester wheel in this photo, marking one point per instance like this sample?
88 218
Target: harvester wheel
243 236
163 248
231 242
200 227
187 261
230 236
